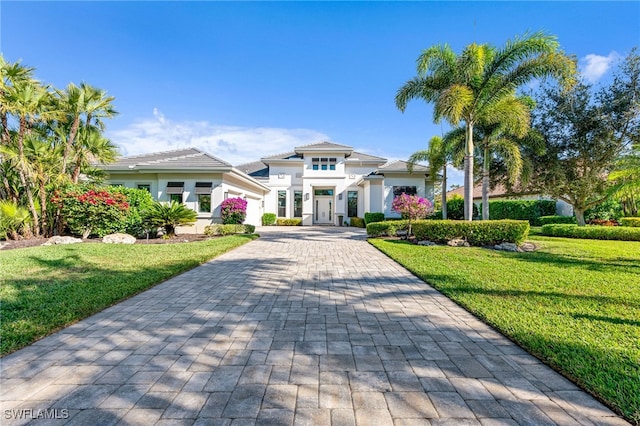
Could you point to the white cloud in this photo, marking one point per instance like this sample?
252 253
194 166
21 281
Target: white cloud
233 144
593 67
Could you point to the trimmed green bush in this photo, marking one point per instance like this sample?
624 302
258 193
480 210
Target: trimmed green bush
386 228
551 220
225 229
455 208
477 233
249 229
622 233
607 210
630 221
530 210
288 222
268 219
358 222
373 217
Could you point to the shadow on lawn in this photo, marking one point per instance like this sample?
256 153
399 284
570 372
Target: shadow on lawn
220 332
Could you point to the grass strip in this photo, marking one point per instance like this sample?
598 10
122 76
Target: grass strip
573 303
43 289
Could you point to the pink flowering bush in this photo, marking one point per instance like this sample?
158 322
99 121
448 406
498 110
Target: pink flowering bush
233 211
412 207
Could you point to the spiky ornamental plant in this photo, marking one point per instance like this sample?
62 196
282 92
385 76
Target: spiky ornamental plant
168 216
411 207
233 211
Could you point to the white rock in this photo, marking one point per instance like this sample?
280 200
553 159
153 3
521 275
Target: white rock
458 242
507 247
528 247
426 243
119 239
62 240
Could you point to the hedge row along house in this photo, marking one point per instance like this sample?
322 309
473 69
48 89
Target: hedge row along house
321 184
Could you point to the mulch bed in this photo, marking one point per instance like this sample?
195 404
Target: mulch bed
33 242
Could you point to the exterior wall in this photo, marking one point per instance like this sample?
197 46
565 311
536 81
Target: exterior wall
222 185
423 189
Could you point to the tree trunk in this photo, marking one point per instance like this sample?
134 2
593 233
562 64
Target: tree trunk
23 178
76 173
43 209
579 216
485 185
444 191
468 174
69 144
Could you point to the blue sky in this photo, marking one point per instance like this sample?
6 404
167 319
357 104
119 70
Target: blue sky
248 79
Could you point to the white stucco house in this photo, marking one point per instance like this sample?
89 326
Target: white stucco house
322 184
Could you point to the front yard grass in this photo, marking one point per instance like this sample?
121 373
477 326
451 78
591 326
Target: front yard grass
573 303
43 289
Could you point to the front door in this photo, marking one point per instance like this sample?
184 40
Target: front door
323 210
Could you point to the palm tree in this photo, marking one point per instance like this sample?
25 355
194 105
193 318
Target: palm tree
626 181
83 102
91 147
170 215
440 153
465 87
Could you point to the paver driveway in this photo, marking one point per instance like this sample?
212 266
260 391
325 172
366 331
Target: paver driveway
303 326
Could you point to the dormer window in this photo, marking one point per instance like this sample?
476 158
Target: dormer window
323 163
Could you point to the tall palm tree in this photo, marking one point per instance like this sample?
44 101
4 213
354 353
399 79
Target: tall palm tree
440 153
83 102
30 103
464 87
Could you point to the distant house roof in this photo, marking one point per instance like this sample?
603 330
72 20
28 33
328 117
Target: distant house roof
401 166
180 159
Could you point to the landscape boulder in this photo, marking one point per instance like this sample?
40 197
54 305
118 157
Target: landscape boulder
62 240
458 242
119 238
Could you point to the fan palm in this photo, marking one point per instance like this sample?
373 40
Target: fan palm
465 87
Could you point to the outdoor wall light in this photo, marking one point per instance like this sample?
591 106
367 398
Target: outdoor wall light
306 196
340 196
226 195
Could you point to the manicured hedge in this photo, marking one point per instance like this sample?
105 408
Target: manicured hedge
373 217
387 228
288 222
476 233
530 210
357 222
268 219
623 233
630 221
551 220
228 229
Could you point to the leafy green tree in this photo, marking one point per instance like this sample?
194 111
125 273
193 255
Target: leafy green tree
626 182
466 87
168 216
585 132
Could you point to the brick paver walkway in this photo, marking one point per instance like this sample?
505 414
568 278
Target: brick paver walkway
305 326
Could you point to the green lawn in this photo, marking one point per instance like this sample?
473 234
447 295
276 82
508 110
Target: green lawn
573 303
43 289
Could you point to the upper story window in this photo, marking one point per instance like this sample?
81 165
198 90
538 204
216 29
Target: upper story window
323 163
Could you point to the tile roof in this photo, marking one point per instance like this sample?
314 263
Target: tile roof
323 146
401 166
179 159
355 156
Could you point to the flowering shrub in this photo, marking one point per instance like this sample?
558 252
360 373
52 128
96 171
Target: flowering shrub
233 210
411 207
90 210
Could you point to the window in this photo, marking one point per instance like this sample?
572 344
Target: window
176 197
117 184
297 203
145 186
204 203
409 190
352 203
282 203
325 192
323 163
